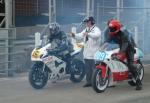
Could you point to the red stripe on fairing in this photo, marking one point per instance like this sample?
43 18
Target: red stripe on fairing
103 68
119 76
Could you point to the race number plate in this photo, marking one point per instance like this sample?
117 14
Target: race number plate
100 56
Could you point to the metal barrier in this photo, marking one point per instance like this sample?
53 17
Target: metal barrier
15 53
7 37
17 59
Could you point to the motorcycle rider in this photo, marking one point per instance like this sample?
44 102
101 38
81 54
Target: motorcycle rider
126 44
91 36
106 36
60 45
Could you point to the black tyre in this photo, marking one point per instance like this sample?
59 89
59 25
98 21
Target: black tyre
77 71
38 76
140 70
99 84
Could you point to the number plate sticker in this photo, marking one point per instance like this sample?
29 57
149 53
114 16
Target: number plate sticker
100 56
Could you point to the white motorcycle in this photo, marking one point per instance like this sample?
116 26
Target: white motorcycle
109 70
49 66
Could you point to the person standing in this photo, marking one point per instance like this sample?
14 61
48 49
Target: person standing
91 36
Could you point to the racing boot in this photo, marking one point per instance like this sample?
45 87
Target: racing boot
138 84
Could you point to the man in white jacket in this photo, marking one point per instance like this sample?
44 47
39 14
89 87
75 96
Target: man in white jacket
91 36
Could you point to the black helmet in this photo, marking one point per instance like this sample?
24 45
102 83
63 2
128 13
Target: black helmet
54 28
89 19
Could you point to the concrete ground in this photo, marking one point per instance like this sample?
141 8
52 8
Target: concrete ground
18 90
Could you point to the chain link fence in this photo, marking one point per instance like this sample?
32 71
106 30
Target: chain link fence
132 14
31 12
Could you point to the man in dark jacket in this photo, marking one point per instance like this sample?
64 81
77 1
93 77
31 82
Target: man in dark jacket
126 45
58 39
60 45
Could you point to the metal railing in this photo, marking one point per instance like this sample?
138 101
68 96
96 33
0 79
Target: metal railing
6 37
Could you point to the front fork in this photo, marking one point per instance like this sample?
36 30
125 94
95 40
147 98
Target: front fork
44 65
104 70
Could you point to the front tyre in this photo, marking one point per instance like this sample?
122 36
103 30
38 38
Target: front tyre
77 71
99 84
38 75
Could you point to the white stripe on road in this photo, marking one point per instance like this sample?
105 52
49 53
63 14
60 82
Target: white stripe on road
146 65
3 79
17 78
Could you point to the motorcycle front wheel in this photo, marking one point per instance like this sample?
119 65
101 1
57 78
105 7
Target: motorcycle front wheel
38 75
99 83
77 71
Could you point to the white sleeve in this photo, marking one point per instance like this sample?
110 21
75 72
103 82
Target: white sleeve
96 33
80 35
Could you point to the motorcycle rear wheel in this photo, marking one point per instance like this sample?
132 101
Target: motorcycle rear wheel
140 70
78 71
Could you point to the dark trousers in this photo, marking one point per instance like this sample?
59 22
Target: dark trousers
89 66
130 59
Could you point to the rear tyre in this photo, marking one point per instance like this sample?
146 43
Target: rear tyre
77 71
140 70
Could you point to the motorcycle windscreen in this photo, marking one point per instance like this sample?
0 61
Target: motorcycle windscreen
101 54
108 46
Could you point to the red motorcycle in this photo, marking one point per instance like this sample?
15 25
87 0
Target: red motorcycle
110 70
